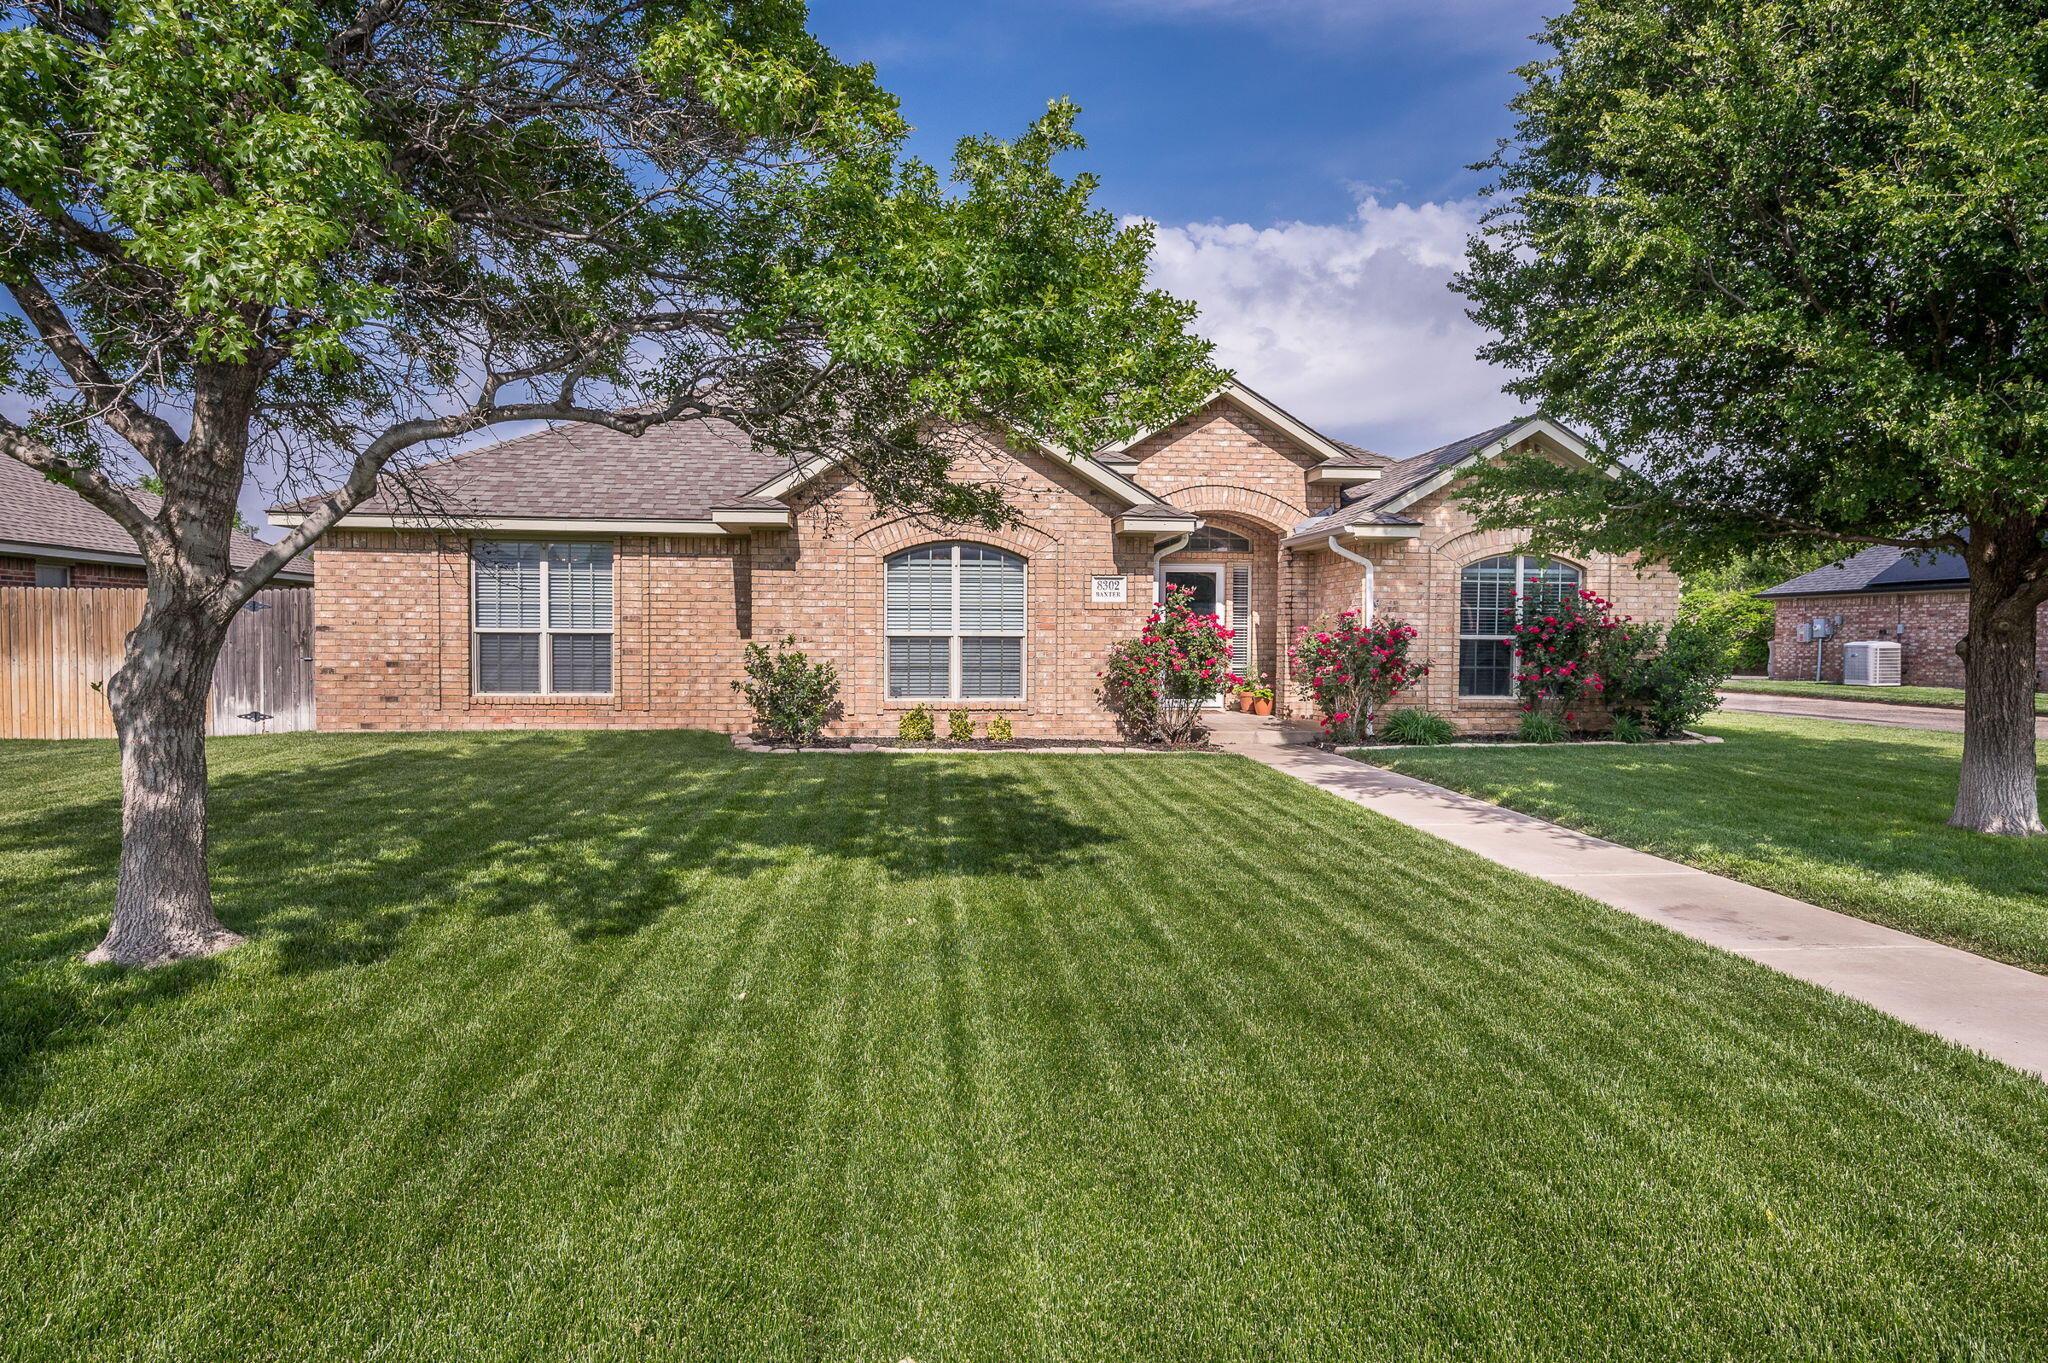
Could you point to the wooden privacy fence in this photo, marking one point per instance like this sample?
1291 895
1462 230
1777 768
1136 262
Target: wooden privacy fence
58 646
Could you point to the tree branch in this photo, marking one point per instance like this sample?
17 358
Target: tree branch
369 465
152 436
88 483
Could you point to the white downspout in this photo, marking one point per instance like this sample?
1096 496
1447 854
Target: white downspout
1172 546
1365 599
1337 548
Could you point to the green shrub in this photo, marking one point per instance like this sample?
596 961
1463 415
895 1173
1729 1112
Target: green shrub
1538 727
1413 724
792 697
960 726
999 730
917 725
1670 682
1676 688
1744 621
1628 729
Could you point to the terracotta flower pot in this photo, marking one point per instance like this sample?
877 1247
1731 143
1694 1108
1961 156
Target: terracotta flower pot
1262 707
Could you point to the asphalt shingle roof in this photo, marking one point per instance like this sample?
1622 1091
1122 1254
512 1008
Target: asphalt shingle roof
677 471
1362 504
1880 568
41 514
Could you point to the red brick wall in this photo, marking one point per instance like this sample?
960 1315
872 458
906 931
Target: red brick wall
21 572
1926 625
107 575
1418 580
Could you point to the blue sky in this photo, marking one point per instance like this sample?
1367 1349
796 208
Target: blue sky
1305 161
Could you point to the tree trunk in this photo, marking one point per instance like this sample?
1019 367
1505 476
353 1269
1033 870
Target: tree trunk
163 905
1999 792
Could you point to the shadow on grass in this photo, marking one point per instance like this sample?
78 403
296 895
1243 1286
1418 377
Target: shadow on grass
336 849
1850 796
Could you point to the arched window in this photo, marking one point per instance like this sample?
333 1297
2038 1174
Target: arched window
1211 539
955 623
1488 592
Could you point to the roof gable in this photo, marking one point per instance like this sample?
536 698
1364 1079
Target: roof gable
1318 445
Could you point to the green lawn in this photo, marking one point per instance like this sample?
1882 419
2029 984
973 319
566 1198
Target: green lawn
1851 816
1942 697
620 1046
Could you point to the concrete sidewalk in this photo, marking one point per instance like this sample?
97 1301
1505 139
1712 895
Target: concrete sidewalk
1856 711
1997 1009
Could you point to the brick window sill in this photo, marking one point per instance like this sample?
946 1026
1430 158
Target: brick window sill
483 698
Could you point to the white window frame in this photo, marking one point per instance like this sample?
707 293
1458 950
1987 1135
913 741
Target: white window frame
1521 581
954 635
546 632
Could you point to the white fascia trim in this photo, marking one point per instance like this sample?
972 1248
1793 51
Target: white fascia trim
59 553
1319 539
1263 409
1142 524
782 484
1572 446
566 525
749 517
1344 473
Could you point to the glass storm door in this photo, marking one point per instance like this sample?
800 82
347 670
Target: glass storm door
1206 588
1205 583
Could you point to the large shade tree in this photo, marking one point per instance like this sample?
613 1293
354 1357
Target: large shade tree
1788 261
324 238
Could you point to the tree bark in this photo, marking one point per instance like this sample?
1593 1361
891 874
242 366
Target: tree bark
1998 792
163 903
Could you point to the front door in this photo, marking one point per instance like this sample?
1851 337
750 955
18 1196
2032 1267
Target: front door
1205 583
1205 586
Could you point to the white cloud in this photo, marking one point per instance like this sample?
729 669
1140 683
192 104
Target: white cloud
1349 325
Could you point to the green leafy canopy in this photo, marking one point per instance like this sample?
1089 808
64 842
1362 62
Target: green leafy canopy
332 233
1786 262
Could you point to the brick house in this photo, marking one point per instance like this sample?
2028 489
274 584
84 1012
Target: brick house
597 580
1920 601
52 537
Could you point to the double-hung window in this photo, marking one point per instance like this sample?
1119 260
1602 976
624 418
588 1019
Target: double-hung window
1489 596
542 617
954 617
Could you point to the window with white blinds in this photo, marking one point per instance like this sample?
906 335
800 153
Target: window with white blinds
954 617
542 617
1490 596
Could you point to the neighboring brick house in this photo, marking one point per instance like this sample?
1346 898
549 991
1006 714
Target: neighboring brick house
599 580
52 537
1919 600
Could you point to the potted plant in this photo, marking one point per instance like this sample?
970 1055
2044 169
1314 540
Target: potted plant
1257 698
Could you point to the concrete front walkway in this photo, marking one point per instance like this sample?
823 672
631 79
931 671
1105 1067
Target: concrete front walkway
1997 1009
1856 711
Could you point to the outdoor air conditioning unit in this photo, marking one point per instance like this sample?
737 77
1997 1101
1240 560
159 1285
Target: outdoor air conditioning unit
1870 662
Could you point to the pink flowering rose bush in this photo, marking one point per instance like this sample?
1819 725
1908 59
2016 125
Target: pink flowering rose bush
1563 641
1579 663
1349 669
1157 683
